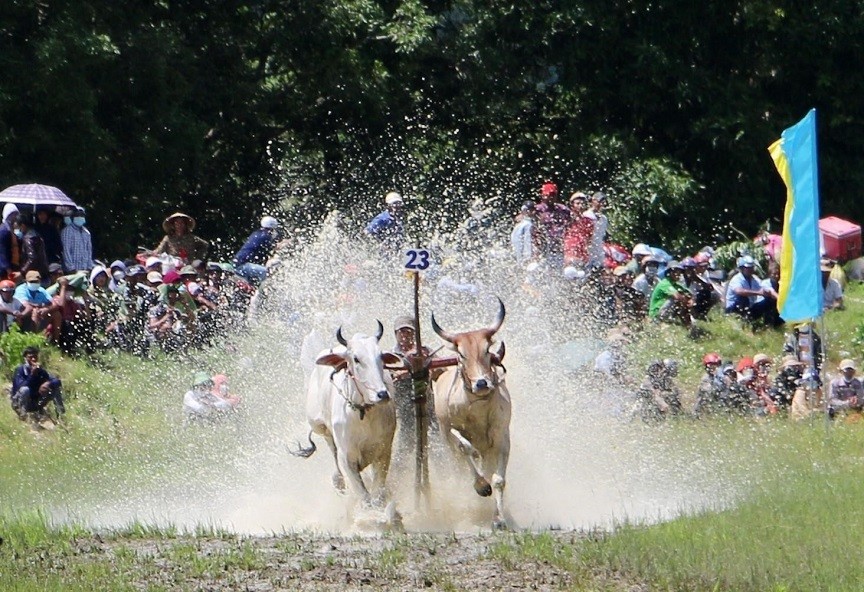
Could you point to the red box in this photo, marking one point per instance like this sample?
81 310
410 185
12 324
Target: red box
841 239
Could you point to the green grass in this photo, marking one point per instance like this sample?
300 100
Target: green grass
796 523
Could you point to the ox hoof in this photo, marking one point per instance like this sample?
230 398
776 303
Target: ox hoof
499 524
482 487
339 482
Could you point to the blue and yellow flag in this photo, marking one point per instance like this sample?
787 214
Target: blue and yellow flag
794 154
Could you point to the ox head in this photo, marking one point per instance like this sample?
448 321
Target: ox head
476 358
363 362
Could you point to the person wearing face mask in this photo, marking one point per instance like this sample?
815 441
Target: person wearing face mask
33 255
39 311
77 243
10 254
645 281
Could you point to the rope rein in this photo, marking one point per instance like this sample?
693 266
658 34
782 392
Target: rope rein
360 408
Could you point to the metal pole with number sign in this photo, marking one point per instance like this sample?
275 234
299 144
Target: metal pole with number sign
417 260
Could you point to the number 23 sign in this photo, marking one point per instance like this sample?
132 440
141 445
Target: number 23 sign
417 259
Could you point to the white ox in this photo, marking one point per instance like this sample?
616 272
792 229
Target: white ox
473 409
348 404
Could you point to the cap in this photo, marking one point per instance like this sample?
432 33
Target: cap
392 198
641 249
188 270
826 264
528 206
154 277
702 259
620 270
269 222
599 196
151 261
688 263
711 358
548 188
571 273
201 378
744 363
170 277
33 276
7 285
846 365
578 195
760 358
55 268
673 265
746 261
136 270
403 322
728 368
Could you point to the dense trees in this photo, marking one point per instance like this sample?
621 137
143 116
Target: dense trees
222 107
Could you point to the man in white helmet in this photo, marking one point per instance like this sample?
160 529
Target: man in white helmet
253 255
386 227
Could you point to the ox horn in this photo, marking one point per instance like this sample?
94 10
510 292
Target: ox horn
339 337
499 320
441 332
380 332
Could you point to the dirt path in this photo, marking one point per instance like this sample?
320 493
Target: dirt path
312 562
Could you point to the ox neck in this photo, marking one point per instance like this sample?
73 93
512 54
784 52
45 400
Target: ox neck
351 393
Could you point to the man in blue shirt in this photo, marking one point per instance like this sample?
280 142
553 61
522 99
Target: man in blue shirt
253 255
387 227
746 296
33 388
39 310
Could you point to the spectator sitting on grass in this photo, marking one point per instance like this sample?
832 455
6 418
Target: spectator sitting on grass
832 293
846 392
33 388
648 279
762 383
670 300
39 312
200 403
746 296
11 309
658 396
710 386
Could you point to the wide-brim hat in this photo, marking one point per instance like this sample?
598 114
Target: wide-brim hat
789 361
190 222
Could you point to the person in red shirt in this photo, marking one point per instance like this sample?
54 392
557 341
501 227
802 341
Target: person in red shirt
577 236
554 217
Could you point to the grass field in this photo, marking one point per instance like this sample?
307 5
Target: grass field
796 525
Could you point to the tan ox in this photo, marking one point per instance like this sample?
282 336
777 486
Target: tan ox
473 409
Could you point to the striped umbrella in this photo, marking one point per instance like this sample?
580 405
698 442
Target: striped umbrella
35 195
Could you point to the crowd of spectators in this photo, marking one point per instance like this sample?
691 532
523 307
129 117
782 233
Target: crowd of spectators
167 298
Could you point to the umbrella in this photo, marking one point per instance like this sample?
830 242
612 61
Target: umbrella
36 195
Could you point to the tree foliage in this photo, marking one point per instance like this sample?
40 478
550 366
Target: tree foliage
226 108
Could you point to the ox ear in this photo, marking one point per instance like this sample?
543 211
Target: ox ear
498 356
391 359
336 361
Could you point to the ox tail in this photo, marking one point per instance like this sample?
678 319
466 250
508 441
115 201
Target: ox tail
305 452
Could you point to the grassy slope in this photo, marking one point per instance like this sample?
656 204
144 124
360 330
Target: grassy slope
798 527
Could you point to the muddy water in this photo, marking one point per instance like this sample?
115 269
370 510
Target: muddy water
577 459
